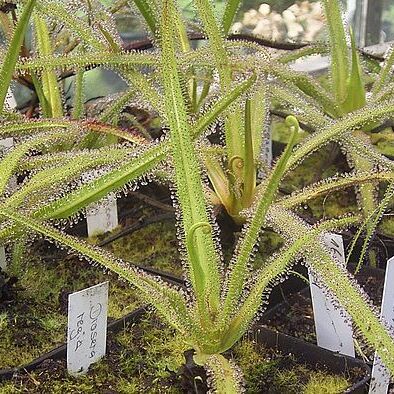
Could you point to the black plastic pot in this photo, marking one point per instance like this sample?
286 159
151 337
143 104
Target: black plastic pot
282 302
313 356
311 351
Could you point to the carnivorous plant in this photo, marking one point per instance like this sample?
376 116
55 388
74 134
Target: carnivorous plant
223 298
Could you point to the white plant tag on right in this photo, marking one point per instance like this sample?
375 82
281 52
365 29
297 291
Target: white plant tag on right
380 378
332 323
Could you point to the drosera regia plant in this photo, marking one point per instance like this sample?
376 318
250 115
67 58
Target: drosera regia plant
223 298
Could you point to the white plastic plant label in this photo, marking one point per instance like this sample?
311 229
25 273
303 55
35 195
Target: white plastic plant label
3 260
87 327
102 217
10 99
6 142
332 323
11 103
380 378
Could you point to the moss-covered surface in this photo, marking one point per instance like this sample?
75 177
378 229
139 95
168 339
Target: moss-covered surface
34 321
143 358
154 246
146 357
269 372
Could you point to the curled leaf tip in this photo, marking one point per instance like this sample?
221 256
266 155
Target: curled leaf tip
292 122
205 226
236 162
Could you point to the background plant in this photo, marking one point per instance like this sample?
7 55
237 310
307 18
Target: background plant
349 91
224 297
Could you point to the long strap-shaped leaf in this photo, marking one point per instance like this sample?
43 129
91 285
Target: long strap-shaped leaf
315 49
328 186
108 155
305 83
216 39
49 78
55 10
340 62
25 127
148 10
168 301
11 56
384 73
309 111
229 14
333 131
51 179
244 249
369 151
144 163
9 163
264 279
203 259
233 123
79 97
356 92
225 375
371 223
116 60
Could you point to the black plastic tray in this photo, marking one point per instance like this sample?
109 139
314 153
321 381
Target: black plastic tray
307 353
313 356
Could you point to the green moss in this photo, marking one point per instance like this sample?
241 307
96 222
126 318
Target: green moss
320 383
35 321
384 141
269 243
154 246
267 372
386 226
158 347
9 388
144 357
280 133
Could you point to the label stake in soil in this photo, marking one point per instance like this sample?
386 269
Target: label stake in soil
332 323
102 217
87 327
6 143
380 379
3 260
